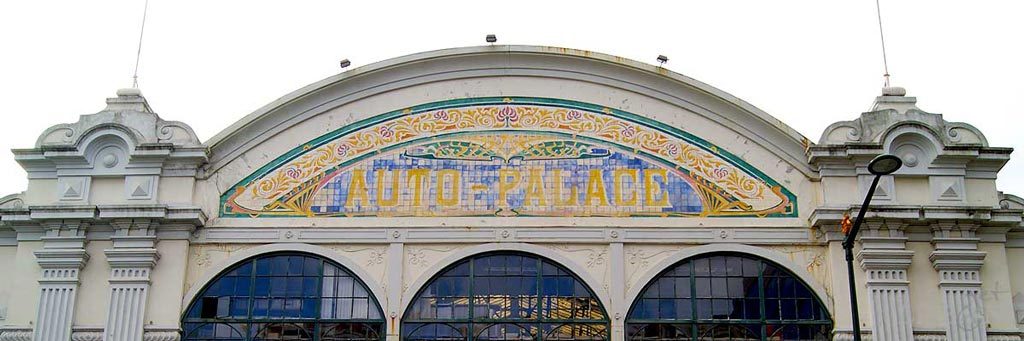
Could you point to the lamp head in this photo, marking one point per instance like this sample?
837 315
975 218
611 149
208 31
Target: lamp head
884 164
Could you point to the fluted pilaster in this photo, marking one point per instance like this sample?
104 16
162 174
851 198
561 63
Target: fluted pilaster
885 260
958 262
62 258
131 263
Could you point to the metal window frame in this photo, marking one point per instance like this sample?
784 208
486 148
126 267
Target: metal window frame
538 322
317 322
694 323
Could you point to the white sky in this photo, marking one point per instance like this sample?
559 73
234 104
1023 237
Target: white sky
808 63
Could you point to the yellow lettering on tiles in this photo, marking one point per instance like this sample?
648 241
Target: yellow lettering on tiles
415 180
381 200
595 189
445 177
652 188
556 176
357 189
535 188
620 188
505 185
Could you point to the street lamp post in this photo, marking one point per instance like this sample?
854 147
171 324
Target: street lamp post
880 165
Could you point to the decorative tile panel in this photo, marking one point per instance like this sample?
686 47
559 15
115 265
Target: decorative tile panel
508 157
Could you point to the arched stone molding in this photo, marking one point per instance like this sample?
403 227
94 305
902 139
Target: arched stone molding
689 252
916 145
409 294
631 77
375 287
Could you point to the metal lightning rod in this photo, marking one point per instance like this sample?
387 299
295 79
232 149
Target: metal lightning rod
881 34
142 30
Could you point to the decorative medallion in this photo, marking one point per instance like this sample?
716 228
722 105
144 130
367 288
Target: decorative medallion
508 157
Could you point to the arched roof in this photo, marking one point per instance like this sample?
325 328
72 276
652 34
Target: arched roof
510 60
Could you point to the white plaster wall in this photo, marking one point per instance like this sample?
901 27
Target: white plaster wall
94 290
107 191
981 192
8 265
1015 260
642 258
911 191
995 287
202 257
636 103
839 191
175 190
167 284
925 297
840 287
25 286
814 259
41 192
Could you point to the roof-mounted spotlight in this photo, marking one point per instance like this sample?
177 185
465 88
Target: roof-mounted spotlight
662 59
492 38
344 63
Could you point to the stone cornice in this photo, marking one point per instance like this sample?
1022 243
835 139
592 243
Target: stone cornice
920 214
32 221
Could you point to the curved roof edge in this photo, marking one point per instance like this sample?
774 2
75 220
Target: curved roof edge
792 146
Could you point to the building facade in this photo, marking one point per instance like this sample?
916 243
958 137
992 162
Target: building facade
508 193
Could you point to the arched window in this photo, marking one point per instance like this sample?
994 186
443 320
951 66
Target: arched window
284 296
505 296
727 297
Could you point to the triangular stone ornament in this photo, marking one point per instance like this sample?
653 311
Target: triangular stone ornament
70 191
950 192
140 191
880 191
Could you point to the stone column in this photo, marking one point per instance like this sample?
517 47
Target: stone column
885 261
617 268
62 259
131 260
394 261
958 262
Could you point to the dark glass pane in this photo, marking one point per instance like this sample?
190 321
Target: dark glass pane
788 309
295 265
658 332
751 267
703 287
351 331
684 269
279 266
701 267
263 266
682 287
734 266
504 331
509 287
804 310
771 309
752 309
666 287
283 331
787 287
718 266
435 331
719 288
312 267
727 288
771 287
704 309
575 331
214 331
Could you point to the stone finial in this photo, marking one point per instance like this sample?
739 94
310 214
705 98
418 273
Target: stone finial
128 112
894 91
